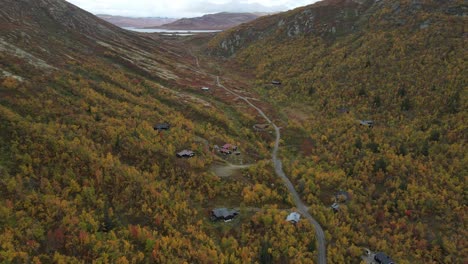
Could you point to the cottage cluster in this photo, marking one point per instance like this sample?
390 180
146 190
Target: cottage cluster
227 149
226 215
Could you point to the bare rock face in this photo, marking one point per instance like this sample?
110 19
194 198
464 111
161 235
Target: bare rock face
326 18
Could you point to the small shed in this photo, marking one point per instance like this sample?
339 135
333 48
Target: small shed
367 123
185 154
293 217
335 207
382 258
162 126
223 214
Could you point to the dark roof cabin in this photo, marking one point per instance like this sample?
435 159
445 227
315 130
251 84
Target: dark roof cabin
382 258
185 154
223 214
162 126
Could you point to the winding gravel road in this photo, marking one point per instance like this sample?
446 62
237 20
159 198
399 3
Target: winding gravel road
301 207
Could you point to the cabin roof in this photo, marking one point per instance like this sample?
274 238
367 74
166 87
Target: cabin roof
366 122
383 258
185 152
293 217
224 213
162 126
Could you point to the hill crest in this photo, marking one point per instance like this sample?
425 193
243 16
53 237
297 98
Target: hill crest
218 21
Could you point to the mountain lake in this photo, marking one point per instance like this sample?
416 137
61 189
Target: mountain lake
179 32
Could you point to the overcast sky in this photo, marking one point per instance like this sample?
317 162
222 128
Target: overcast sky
184 8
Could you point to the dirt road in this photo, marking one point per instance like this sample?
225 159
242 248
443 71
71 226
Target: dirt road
227 169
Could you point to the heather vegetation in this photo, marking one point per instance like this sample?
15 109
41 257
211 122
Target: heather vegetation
85 176
402 66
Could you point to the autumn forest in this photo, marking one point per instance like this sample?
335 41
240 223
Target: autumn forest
370 98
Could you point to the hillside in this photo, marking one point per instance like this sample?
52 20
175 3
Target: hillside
137 22
398 63
218 21
85 177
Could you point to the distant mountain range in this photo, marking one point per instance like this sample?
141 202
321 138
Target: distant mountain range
138 22
218 21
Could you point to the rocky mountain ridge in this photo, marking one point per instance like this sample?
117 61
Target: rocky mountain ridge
218 21
136 22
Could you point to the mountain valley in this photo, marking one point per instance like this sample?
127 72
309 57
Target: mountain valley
118 146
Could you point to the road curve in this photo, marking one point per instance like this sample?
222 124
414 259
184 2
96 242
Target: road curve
301 207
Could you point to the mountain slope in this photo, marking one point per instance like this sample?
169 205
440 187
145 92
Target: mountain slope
332 19
321 19
398 63
218 21
42 26
137 22
85 178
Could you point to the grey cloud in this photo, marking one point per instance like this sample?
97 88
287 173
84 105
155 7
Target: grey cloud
189 8
233 6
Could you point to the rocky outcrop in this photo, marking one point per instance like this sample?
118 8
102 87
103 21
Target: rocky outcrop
329 20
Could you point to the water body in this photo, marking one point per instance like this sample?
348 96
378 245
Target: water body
169 31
